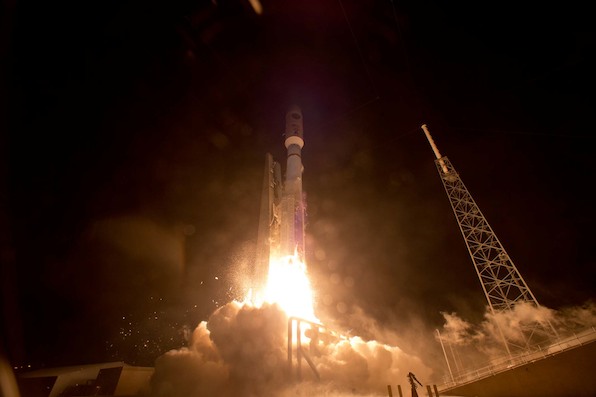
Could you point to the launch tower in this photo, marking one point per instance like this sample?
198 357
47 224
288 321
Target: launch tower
502 283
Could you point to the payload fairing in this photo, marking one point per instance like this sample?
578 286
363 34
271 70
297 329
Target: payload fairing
282 220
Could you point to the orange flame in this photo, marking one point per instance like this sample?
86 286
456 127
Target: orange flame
288 286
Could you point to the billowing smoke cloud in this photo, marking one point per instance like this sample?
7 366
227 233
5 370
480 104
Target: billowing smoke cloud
576 318
484 341
511 323
457 330
242 350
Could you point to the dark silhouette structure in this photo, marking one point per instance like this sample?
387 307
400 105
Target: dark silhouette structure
413 381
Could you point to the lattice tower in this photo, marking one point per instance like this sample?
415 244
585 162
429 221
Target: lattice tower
501 281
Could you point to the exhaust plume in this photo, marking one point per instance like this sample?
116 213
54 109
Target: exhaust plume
242 350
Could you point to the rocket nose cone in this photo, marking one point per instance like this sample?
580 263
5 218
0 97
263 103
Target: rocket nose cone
295 109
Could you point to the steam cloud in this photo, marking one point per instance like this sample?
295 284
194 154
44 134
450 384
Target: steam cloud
242 351
483 342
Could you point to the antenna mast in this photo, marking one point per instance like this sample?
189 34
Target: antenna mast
502 283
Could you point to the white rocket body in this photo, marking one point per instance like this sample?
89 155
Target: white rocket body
292 203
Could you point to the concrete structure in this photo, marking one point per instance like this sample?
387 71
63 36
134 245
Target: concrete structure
104 379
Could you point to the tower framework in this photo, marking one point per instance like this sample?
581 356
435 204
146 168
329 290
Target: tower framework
501 281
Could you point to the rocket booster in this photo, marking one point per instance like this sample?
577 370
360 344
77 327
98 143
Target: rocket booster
292 202
281 222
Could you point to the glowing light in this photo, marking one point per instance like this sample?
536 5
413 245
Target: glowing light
288 286
256 6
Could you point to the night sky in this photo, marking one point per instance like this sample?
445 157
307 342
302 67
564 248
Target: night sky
135 133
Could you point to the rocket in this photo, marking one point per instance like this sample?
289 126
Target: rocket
292 203
282 217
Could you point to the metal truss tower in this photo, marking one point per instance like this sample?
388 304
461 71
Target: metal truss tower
502 283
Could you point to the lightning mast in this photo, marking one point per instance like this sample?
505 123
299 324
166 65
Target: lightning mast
502 283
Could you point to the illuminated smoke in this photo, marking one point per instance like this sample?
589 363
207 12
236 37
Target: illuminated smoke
577 317
242 351
456 329
511 323
485 339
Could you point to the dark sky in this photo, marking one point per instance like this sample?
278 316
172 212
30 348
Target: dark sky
134 141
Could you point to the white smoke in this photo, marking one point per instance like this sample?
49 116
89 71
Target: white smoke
484 341
456 330
242 351
577 317
513 322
